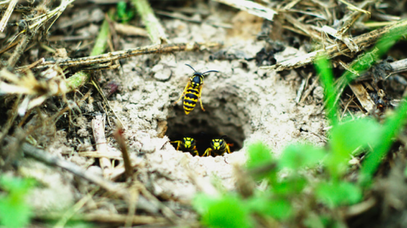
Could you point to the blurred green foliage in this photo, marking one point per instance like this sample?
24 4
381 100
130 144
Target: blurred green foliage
14 211
226 211
124 13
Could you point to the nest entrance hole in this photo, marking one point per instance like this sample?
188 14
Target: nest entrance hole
203 127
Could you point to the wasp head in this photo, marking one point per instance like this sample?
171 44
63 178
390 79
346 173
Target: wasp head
188 142
196 80
217 144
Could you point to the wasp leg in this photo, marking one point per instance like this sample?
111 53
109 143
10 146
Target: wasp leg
183 93
228 148
200 99
207 152
195 151
178 142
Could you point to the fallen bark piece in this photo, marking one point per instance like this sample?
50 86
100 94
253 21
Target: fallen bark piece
363 96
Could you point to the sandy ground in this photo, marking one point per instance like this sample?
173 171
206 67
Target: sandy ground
242 102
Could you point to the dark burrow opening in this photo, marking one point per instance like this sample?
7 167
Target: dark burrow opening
203 127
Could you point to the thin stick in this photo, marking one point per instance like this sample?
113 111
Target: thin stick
109 218
112 56
300 90
142 203
21 46
96 154
47 158
166 211
42 19
130 30
7 14
303 27
102 94
352 7
154 28
118 135
73 210
98 128
398 66
308 91
132 206
9 123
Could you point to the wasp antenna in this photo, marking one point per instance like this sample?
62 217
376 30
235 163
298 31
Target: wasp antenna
209 71
191 67
223 137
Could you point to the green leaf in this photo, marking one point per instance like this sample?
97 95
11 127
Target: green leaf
391 129
258 154
323 67
349 138
297 156
346 138
124 14
280 209
14 212
16 185
202 202
289 186
335 193
226 211
313 221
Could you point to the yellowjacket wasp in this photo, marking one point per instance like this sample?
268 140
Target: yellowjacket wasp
218 147
187 144
193 90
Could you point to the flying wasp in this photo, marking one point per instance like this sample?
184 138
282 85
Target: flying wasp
218 147
193 90
186 144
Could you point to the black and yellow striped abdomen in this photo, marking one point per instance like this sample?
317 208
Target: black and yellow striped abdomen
192 91
190 99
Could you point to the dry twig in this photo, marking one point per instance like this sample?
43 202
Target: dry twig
98 128
42 19
72 211
112 56
129 30
7 14
118 135
42 156
398 66
36 91
363 96
110 218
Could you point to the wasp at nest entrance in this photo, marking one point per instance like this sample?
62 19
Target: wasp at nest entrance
203 134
